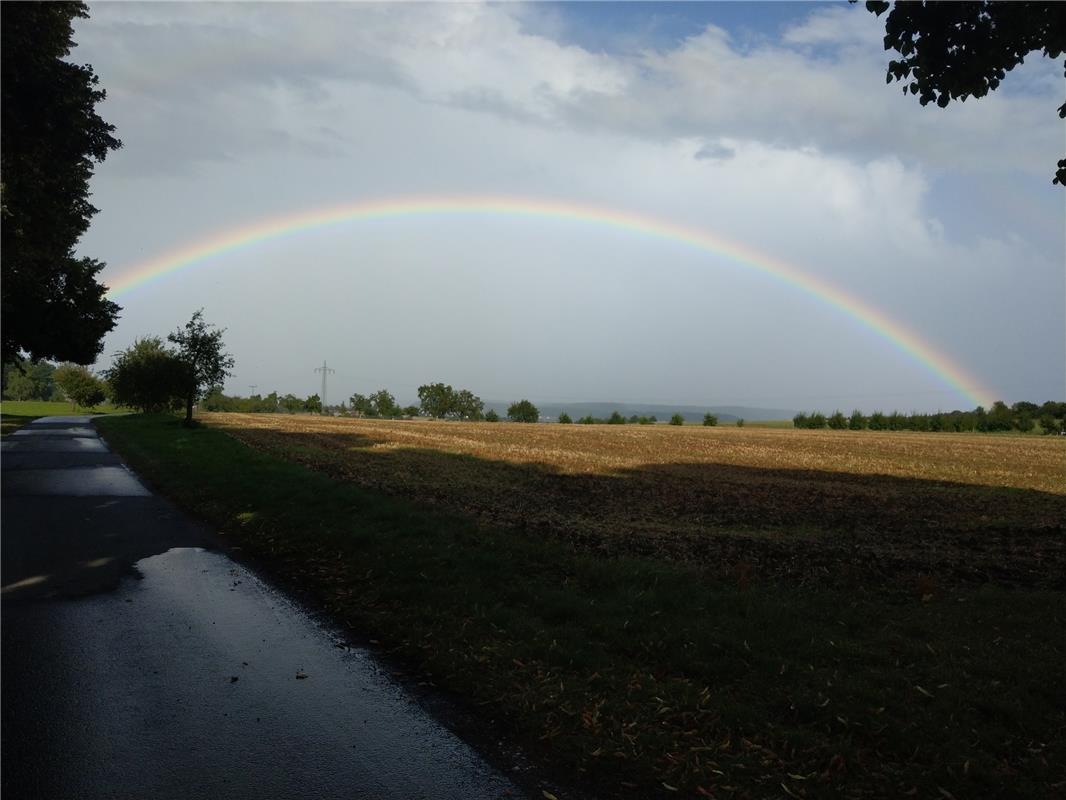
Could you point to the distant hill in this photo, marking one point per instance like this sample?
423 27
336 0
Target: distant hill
662 412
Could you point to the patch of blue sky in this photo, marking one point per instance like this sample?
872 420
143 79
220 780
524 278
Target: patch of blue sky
625 27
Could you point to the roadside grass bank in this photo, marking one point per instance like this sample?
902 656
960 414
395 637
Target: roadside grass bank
16 413
643 677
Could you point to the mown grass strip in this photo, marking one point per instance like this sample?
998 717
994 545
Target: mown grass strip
643 677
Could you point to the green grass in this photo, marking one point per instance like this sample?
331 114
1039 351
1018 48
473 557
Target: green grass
637 675
16 413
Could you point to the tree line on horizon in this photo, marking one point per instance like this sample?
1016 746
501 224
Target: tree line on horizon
1022 416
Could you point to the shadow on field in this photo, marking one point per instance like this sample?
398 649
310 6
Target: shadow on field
801 524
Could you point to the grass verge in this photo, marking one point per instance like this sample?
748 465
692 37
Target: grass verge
642 677
16 413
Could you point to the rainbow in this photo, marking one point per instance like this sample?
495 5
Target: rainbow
230 240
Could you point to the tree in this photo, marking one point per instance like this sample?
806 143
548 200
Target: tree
467 405
200 348
999 417
837 421
492 416
410 411
383 404
523 411
800 420
80 386
616 419
856 422
313 404
677 419
147 376
30 380
50 300
291 403
362 406
437 399
952 51
564 419
588 419
710 420
740 422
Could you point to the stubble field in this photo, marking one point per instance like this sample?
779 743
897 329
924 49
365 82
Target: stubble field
808 505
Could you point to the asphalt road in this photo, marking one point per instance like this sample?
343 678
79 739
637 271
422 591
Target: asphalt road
139 663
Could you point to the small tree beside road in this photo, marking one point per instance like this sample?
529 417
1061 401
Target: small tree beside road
200 349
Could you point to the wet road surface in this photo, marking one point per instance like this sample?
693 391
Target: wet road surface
137 663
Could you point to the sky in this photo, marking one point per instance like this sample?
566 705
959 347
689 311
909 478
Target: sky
767 129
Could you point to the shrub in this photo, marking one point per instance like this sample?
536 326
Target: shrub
677 419
740 422
80 386
564 419
856 421
148 376
710 420
837 421
586 420
492 416
523 411
616 419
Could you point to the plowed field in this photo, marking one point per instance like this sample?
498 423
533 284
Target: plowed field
807 504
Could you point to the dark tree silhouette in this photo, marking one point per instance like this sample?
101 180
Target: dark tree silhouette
206 365
52 304
952 51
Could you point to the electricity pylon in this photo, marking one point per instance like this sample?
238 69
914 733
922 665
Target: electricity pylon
325 371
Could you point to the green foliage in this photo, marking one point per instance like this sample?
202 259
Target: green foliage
291 403
740 422
837 421
677 419
384 404
1050 425
953 51
564 418
999 417
710 420
492 416
523 411
30 380
410 411
800 420
856 422
441 401
616 419
313 404
147 376
51 137
80 386
588 419
206 365
437 399
468 405
646 420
